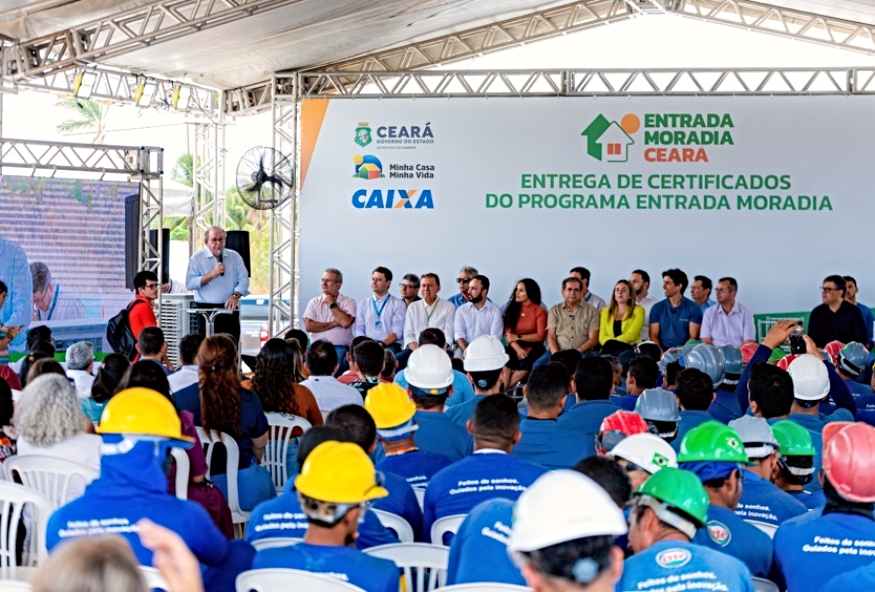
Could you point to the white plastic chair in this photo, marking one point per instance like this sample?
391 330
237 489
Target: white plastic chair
274 542
428 561
154 579
13 498
395 523
209 442
767 528
15 586
277 451
444 525
183 472
282 580
419 492
764 585
485 587
58 479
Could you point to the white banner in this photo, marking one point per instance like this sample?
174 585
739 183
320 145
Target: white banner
769 190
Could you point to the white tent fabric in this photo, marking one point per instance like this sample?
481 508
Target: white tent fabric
177 198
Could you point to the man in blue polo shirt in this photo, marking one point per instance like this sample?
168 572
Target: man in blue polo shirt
490 472
334 486
676 319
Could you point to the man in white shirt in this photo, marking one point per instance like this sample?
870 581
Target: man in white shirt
321 362
479 316
431 311
640 281
583 275
80 363
381 317
184 382
331 316
730 321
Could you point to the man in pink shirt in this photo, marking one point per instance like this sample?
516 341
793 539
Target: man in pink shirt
331 316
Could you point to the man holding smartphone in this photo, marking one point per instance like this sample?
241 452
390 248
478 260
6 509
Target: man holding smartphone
836 319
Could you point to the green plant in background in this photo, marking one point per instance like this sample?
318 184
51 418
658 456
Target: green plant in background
90 116
182 172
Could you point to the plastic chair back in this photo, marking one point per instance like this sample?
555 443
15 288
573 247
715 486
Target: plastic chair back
767 528
58 479
274 542
276 454
183 472
232 454
764 585
396 524
441 526
154 579
282 580
15 586
424 565
13 498
419 492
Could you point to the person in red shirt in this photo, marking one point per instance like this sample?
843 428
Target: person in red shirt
146 286
525 327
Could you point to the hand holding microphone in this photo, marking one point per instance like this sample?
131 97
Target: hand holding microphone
219 257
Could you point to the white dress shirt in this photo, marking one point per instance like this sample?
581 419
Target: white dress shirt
331 394
471 323
439 315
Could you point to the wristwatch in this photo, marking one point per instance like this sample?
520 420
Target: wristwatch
237 295
332 305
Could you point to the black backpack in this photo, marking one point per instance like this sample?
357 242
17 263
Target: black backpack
119 334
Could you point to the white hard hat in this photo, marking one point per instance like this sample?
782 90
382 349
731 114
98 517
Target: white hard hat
810 378
429 367
647 451
561 506
485 353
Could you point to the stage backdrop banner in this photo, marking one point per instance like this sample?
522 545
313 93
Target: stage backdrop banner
770 190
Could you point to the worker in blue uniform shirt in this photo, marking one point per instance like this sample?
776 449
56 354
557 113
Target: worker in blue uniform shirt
852 360
334 486
283 517
715 454
559 543
695 393
796 464
725 406
393 411
487 371
666 511
642 374
659 408
593 383
862 578
138 427
814 380
490 472
429 383
543 440
462 391
478 552
761 500
840 537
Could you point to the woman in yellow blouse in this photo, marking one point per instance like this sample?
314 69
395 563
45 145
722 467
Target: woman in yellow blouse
623 319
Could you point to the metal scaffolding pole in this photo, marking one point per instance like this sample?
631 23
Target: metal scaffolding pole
208 175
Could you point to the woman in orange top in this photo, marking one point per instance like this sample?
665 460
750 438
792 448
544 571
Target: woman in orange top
525 328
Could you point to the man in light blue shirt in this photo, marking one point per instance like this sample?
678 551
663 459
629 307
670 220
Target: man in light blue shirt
218 278
463 280
381 317
700 292
16 309
730 323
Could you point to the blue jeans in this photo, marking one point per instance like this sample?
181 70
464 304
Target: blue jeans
342 363
542 360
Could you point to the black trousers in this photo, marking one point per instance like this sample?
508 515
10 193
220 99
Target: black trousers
224 323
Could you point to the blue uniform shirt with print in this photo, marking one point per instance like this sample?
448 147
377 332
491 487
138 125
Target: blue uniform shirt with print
416 466
478 552
477 478
401 501
811 549
584 420
699 567
727 533
438 434
674 323
813 500
347 565
547 443
862 578
763 501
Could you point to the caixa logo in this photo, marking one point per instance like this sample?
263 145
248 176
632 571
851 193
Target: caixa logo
385 199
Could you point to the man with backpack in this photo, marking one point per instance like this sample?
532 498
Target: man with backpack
124 329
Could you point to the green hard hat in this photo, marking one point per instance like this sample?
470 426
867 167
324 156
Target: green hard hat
679 489
793 438
712 442
777 354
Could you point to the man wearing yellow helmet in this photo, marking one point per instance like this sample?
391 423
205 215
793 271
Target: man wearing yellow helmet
335 485
138 427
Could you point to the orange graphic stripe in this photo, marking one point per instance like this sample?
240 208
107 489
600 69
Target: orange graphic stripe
312 116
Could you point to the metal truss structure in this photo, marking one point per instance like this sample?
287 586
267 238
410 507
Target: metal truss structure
208 174
141 164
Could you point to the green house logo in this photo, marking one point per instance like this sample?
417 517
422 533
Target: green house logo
609 141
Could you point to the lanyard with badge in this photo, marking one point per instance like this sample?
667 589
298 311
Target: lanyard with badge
428 314
379 312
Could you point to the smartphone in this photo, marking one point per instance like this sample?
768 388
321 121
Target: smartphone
797 343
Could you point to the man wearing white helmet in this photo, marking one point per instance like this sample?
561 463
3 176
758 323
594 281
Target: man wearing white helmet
642 455
462 390
560 543
429 376
761 500
485 362
814 381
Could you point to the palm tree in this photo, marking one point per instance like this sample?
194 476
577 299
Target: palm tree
90 116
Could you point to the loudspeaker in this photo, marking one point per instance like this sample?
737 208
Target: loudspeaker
165 252
132 229
238 240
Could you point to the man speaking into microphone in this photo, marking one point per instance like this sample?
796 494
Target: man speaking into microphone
218 278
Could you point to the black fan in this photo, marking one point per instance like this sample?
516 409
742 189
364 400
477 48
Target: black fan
265 178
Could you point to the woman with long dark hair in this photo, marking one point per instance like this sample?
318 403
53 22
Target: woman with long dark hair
228 407
278 372
525 328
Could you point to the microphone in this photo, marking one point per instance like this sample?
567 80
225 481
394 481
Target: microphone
219 257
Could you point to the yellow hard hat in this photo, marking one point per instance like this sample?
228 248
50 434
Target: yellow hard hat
389 405
141 411
340 473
